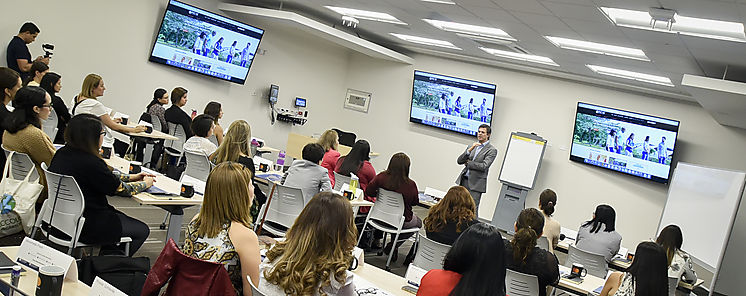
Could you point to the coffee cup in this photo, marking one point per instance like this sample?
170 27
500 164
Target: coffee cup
187 190
630 256
106 152
263 167
124 120
353 264
578 270
50 281
148 129
135 167
348 194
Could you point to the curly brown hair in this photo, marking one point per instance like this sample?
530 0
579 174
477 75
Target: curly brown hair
318 245
457 205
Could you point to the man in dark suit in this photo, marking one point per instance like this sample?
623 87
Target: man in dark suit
477 159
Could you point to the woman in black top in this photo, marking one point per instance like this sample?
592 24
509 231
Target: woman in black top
522 254
451 216
79 158
52 83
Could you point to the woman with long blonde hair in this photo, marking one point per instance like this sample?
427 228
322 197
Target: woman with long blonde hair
451 216
330 141
315 257
221 232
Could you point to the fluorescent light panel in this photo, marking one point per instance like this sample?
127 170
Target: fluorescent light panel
692 26
425 41
598 48
642 77
440 1
520 56
367 15
468 31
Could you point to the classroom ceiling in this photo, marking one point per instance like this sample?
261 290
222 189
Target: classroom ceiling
671 55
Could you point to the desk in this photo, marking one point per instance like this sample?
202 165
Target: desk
174 206
382 279
296 142
588 284
28 280
154 135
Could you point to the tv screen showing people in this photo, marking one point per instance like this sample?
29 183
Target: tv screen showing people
626 142
451 103
203 42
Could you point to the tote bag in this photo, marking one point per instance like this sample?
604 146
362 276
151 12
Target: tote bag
17 200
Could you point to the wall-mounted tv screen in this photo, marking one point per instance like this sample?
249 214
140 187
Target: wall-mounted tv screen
203 42
451 103
630 143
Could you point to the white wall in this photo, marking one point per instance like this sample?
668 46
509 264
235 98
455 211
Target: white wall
114 39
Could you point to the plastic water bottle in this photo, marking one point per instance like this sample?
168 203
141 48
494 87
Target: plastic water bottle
354 182
15 277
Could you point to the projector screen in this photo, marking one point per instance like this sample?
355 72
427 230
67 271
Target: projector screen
626 142
451 103
203 42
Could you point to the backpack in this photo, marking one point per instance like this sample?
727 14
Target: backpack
125 273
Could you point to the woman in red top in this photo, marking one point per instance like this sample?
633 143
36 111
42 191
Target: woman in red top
474 266
357 162
330 141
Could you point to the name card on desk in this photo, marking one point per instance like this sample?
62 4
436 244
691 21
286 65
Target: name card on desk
101 288
35 254
434 193
414 275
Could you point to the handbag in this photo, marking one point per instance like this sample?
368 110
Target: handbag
18 197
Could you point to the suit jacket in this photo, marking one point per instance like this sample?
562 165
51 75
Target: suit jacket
478 167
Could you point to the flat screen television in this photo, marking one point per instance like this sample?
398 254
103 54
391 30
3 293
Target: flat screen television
451 103
203 42
627 142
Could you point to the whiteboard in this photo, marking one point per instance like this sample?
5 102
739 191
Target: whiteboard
522 160
703 202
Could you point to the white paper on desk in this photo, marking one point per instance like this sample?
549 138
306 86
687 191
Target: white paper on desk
569 233
364 287
199 185
145 123
414 275
434 192
101 288
120 115
623 252
34 254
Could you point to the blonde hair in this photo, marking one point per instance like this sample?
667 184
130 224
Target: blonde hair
318 245
237 141
91 82
227 199
328 140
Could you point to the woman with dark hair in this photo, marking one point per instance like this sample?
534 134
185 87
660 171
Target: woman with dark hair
357 162
38 70
10 83
215 110
599 235
202 126
552 228
156 110
474 266
52 83
23 130
450 217
646 276
79 158
396 178
522 254
679 263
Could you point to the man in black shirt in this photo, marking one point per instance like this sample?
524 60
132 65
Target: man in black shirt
18 55
175 114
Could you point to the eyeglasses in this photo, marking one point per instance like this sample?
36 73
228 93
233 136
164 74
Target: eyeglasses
46 106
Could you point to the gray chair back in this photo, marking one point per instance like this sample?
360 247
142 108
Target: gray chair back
63 210
594 263
21 165
177 131
198 166
673 283
521 284
543 243
430 254
286 205
340 180
49 126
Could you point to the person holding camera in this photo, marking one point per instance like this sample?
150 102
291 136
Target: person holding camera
18 55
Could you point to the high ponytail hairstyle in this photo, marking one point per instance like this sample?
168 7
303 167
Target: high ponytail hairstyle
547 201
529 227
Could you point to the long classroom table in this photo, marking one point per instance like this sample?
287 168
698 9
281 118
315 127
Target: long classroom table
28 280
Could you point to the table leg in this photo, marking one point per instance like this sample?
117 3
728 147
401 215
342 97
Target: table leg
174 222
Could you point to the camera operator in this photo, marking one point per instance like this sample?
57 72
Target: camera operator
19 57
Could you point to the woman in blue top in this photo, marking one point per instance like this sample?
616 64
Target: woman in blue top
217 49
630 144
457 108
231 52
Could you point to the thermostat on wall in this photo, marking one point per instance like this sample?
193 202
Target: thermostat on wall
357 100
300 102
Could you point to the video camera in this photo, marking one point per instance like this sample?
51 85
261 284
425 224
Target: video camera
48 49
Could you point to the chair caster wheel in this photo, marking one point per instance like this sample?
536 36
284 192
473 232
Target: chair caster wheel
162 227
388 269
380 253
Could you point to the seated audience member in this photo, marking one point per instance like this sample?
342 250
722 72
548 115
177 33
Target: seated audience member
221 232
175 113
679 263
451 216
202 128
552 228
236 147
474 266
52 83
79 158
215 110
38 70
329 140
357 162
87 103
646 276
307 175
396 178
522 254
23 130
156 110
315 257
598 235
10 83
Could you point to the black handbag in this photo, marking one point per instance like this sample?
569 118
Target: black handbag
125 273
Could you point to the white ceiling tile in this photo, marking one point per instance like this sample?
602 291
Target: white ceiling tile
598 27
574 11
530 6
492 15
675 64
581 2
716 10
628 4
480 3
538 20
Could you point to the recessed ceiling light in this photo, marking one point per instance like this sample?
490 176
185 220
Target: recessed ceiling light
440 1
599 48
520 56
631 75
471 31
367 15
692 26
425 41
